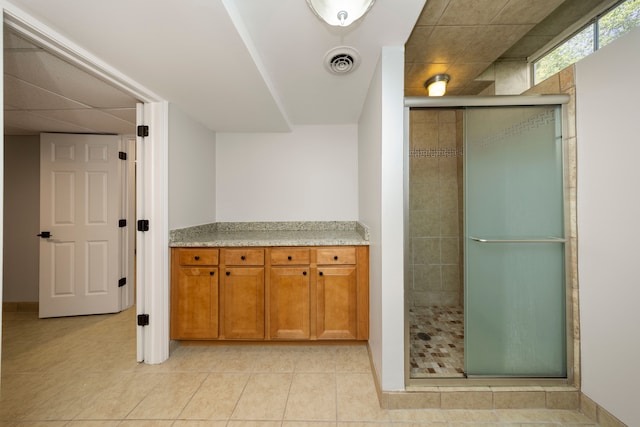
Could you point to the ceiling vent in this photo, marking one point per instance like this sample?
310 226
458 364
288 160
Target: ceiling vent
342 60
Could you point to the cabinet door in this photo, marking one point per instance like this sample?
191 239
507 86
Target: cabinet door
289 303
244 302
195 304
337 303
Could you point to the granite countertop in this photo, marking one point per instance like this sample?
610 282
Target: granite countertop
314 233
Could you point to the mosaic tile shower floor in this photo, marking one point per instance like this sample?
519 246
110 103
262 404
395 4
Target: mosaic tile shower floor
437 342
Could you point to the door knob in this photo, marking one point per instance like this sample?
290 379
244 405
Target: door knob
44 234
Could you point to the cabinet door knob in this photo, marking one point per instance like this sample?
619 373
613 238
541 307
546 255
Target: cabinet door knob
321 273
289 257
211 273
228 273
242 257
335 257
304 273
196 257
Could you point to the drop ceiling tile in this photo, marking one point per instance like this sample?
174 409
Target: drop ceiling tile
446 44
415 46
432 12
527 46
49 72
127 114
26 96
492 41
462 73
32 121
471 12
522 12
96 120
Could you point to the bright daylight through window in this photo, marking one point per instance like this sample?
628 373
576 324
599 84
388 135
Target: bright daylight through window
600 31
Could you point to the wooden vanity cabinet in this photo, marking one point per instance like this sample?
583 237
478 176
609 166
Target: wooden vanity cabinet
337 293
194 294
243 285
273 293
289 294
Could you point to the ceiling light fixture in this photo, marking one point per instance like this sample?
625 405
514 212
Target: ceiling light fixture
437 85
340 13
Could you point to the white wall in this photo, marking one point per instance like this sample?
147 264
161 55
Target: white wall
381 160
192 167
370 205
608 129
21 218
309 174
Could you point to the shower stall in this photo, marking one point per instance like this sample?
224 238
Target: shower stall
485 282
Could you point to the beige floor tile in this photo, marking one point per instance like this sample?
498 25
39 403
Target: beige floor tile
286 423
464 415
273 359
547 416
216 398
169 396
233 423
417 415
263 398
316 359
118 400
352 358
357 399
92 423
312 397
33 423
74 394
199 423
146 423
232 359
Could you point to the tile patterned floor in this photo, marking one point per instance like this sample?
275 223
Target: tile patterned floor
82 372
436 342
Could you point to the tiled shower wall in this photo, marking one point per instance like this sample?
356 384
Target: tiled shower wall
435 201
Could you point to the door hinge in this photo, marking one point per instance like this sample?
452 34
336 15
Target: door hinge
122 223
122 282
122 155
143 320
143 131
143 225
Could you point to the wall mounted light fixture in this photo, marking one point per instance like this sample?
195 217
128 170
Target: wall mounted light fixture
437 85
340 12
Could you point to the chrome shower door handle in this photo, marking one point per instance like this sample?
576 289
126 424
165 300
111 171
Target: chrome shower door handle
545 240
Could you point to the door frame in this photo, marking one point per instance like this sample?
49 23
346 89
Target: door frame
151 187
487 101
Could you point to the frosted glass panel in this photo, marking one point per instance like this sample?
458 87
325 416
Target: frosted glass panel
514 287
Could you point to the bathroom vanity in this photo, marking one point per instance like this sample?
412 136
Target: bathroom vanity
270 282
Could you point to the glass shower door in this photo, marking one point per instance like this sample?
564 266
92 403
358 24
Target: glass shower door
514 243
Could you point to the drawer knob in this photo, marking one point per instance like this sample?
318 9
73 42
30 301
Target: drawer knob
228 273
335 257
304 273
196 257
242 257
211 273
321 273
289 257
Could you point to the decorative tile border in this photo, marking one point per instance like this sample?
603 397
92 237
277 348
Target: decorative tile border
418 153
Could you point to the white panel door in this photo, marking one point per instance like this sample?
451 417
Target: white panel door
79 207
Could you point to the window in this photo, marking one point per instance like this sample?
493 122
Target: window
599 32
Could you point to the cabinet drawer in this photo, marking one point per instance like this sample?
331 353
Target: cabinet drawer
344 255
244 256
198 256
290 256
